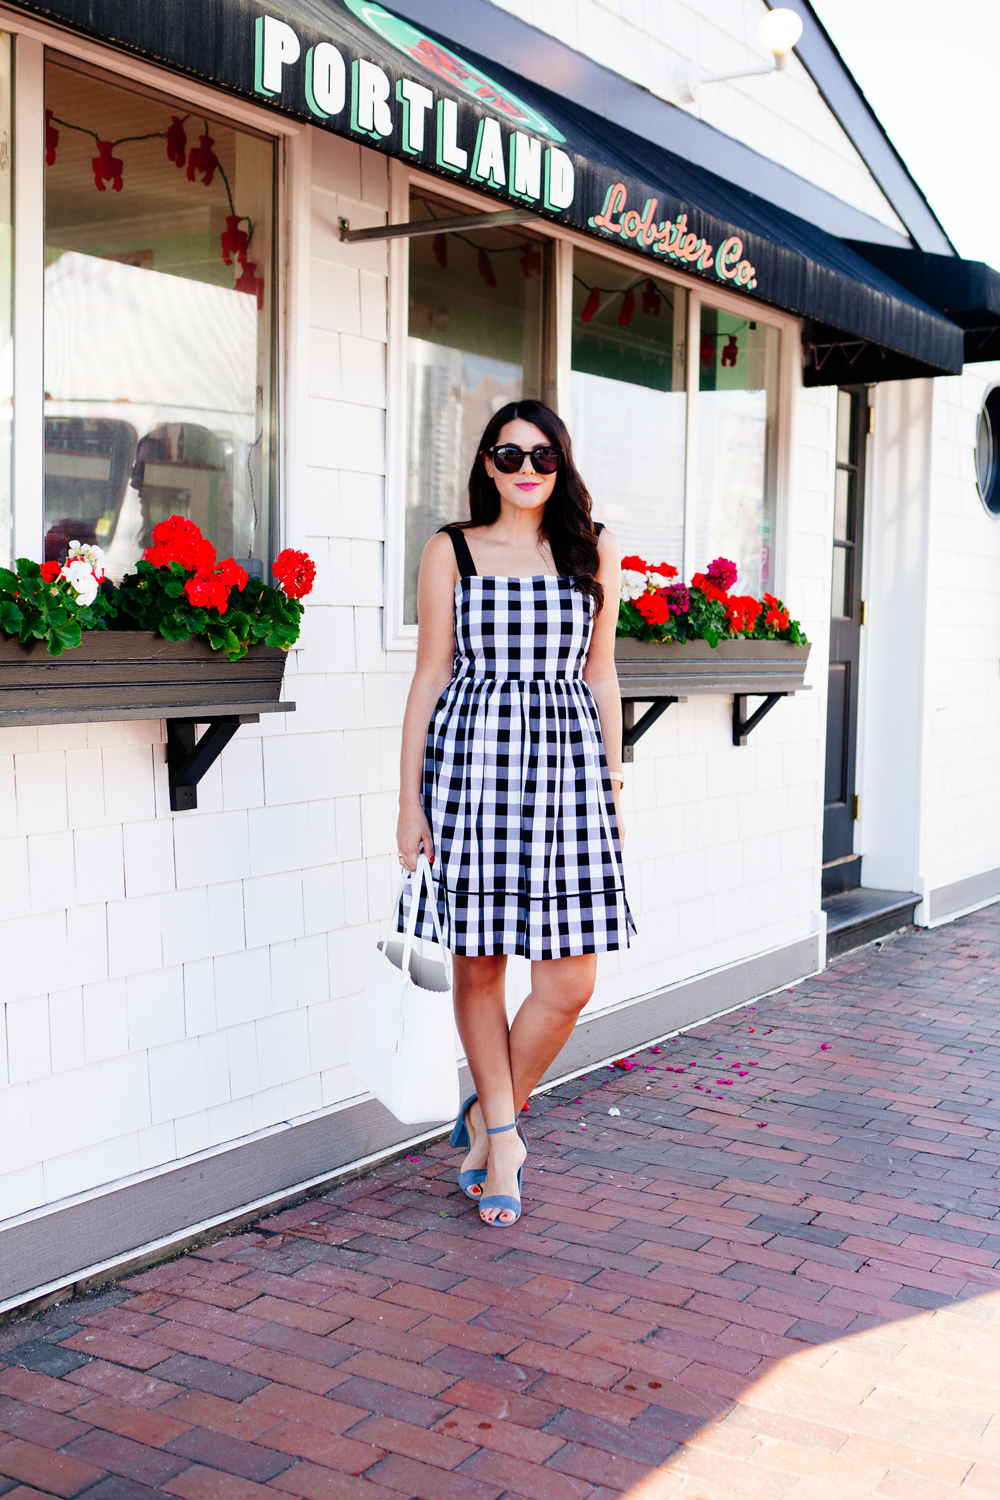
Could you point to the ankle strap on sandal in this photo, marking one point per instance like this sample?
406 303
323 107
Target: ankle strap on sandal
499 1130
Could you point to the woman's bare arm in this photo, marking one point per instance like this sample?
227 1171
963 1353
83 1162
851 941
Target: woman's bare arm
435 664
600 673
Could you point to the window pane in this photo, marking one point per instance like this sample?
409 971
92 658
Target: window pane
840 604
842 506
475 343
737 430
629 405
6 303
845 405
158 381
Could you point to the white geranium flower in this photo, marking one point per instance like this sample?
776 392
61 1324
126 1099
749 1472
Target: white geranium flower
633 584
82 580
88 553
657 581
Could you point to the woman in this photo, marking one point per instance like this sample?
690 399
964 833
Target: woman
510 771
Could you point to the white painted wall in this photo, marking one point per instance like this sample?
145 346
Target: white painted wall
783 117
894 641
960 812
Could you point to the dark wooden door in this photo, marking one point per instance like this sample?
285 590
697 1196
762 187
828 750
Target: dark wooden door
845 626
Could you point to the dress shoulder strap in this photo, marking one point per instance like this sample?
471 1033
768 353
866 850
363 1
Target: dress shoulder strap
598 527
466 567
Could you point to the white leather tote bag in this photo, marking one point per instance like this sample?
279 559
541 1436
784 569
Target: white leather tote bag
405 1048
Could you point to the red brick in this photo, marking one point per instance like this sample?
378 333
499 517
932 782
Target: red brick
36 1424
616 1472
501 1436
119 1455
565 1362
57 1473
529 1480
235 1419
40 1390
200 1342
119 1348
382 1367
610 1406
313 1483
212 1484
412 1346
286 1369
126 1385
295 1315
138 1423
499 1403
373 1310
463 1337
421 1482
281 1402
435 1447
449 1305
325 1448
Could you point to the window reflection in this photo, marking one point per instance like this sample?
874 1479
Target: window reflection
158 311
737 434
475 342
628 403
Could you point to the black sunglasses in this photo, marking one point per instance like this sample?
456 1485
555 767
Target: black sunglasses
508 458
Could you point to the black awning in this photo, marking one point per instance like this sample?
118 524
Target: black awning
355 68
966 291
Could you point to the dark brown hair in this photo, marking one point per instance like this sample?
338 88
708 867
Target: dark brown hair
566 523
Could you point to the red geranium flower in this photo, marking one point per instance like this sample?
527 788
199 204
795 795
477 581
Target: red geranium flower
709 589
653 608
742 612
777 617
635 564
51 571
208 590
232 575
295 572
179 540
666 570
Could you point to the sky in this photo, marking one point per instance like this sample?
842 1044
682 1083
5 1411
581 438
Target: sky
931 73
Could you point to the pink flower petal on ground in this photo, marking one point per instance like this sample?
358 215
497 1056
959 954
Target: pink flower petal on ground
654 1049
761 1124
751 1065
824 1046
673 1085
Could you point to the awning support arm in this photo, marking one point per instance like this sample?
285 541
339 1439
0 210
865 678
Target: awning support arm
742 726
410 230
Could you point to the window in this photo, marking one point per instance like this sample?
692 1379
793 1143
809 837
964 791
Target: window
629 407
6 302
845 503
987 455
475 342
159 306
737 438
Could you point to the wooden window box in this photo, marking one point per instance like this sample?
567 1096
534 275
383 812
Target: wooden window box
661 674
132 674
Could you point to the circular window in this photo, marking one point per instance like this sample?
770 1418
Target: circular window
988 452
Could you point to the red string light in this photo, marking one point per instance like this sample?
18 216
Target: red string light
439 246
627 308
202 158
107 167
176 141
234 240
651 299
730 352
485 268
591 305
51 139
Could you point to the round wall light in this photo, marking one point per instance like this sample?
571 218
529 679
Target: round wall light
780 30
988 451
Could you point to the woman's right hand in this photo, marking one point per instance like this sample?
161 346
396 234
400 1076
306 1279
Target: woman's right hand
413 837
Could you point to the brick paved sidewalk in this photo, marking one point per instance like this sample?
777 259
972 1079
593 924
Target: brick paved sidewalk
761 1262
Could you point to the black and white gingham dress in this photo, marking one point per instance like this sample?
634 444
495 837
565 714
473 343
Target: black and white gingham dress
516 786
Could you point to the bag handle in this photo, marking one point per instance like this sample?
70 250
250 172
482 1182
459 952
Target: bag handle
424 878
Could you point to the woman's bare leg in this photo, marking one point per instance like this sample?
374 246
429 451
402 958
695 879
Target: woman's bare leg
481 1018
560 988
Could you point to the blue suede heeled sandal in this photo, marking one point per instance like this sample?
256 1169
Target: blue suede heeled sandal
503 1201
475 1176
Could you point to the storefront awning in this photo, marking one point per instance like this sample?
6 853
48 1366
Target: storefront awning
966 291
355 68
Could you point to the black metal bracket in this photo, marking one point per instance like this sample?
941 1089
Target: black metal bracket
188 761
742 726
632 732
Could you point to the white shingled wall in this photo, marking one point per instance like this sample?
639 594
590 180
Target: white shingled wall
784 118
